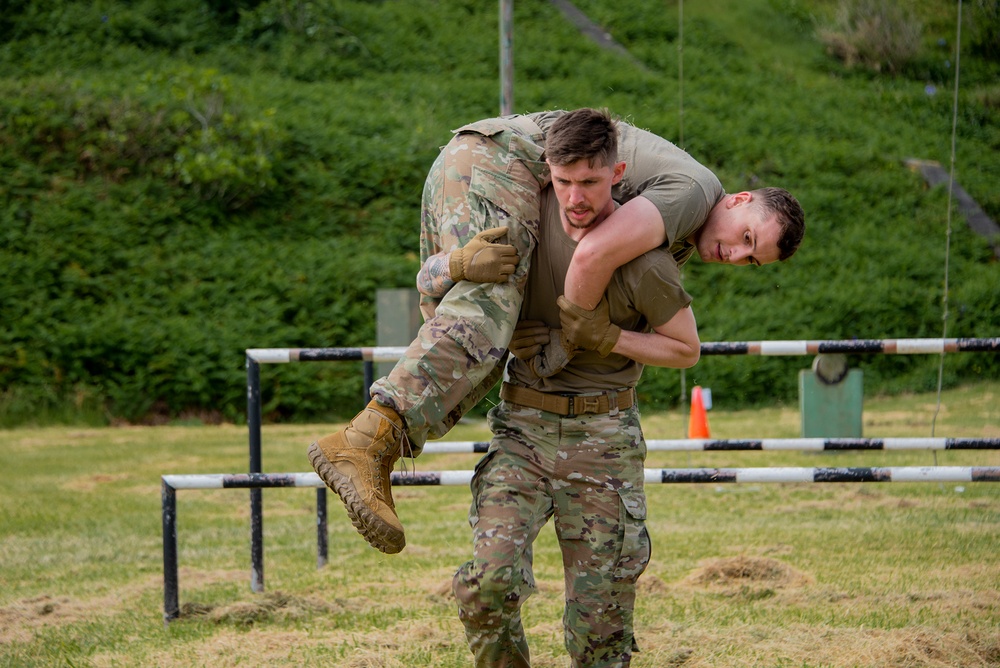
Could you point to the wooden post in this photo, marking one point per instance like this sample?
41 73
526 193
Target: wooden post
506 57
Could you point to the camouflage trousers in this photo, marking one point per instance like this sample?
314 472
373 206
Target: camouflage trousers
491 174
586 472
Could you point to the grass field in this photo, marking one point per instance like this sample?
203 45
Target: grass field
870 574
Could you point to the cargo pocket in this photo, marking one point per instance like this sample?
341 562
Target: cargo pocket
459 346
519 198
636 547
476 485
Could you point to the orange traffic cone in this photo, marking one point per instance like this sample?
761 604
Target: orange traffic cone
698 424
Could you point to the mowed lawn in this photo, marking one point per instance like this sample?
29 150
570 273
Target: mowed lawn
770 574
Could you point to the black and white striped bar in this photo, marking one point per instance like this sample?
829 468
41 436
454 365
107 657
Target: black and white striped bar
765 348
883 346
706 475
286 355
760 475
242 480
774 444
857 474
267 480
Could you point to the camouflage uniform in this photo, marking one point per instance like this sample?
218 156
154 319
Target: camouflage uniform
587 473
491 174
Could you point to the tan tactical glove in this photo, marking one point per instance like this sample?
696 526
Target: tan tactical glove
529 337
545 350
482 260
590 330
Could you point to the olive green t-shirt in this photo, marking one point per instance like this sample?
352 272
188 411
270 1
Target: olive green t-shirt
643 294
682 189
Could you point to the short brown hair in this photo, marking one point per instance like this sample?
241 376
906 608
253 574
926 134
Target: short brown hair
585 133
791 218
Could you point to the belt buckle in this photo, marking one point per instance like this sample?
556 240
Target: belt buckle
590 404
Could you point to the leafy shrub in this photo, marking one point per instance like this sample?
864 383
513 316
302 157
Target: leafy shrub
224 155
985 20
880 35
184 131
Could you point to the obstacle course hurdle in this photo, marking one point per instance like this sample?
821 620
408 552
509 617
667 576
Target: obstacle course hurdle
256 480
172 483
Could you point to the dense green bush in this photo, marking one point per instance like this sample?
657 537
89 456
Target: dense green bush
985 23
182 180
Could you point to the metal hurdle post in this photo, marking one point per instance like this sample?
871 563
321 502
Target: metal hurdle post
169 486
256 496
254 358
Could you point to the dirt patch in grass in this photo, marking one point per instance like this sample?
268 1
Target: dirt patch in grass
229 647
20 620
381 647
746 575
89 483
650 585
268 607
802 644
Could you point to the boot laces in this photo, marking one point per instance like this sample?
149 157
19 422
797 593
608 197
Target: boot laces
405 450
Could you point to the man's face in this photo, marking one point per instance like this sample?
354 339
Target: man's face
584 192
736 233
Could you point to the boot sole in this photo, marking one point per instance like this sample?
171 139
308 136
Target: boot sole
372 528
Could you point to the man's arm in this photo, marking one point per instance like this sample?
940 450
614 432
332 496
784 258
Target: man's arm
633 229
482 260
674 344
434 277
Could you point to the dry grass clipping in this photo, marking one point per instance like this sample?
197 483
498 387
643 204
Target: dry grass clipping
743 575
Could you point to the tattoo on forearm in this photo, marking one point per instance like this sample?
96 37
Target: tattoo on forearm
434 278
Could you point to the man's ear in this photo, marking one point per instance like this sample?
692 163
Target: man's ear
619 172
738 199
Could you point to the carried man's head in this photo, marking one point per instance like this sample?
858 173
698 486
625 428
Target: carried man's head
752 227
581 150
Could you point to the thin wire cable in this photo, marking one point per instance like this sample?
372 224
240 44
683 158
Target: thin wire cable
680 135
947 245
680 73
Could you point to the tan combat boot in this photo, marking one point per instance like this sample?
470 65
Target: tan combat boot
356 463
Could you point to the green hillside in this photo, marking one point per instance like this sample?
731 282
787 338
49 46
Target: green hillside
182 180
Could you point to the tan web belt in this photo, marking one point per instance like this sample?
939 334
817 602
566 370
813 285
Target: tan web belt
568 405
